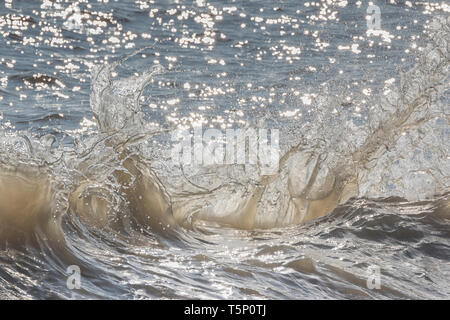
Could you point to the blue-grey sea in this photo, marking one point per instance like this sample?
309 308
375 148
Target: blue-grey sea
92 207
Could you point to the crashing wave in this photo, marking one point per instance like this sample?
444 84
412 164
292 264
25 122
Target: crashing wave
107 182
402 151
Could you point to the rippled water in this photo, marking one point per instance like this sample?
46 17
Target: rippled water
91 92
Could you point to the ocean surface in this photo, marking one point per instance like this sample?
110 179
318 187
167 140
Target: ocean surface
94 95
